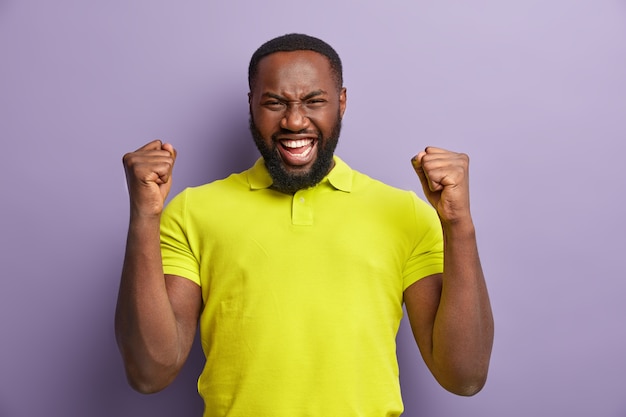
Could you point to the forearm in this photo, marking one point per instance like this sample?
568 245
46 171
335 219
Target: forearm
145 324
463 327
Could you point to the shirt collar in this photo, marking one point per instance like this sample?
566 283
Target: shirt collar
340 177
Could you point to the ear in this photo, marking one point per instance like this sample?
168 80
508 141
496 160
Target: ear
250 97
343 98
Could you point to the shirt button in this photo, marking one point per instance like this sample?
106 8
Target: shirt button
301 199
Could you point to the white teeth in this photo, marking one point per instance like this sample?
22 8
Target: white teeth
304 154
296 143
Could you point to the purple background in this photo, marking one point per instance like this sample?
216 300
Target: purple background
534 91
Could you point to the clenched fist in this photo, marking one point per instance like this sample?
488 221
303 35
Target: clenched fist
445 179
149 177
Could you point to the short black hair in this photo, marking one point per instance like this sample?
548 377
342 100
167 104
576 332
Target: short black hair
296 42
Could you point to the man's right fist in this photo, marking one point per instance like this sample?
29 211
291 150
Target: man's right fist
149 177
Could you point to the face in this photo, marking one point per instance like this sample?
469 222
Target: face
295 117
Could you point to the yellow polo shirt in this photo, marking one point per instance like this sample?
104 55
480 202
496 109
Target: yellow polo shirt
302 293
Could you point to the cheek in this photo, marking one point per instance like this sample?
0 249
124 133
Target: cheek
325 121
266 123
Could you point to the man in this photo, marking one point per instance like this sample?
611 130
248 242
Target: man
296 269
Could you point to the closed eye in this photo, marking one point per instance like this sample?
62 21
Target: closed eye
315 102
274 104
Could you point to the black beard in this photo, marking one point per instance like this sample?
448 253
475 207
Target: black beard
288 182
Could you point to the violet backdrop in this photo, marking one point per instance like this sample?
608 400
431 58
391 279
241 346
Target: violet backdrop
534 91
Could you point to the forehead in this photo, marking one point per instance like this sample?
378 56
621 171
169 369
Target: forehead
295 70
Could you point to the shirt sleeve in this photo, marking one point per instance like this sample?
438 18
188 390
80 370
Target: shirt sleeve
176 251
427 255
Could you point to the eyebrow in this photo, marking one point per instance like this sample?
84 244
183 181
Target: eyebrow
307 97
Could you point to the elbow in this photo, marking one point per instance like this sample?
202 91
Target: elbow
146 371
145 386
466 389
147 383
466 385
147 375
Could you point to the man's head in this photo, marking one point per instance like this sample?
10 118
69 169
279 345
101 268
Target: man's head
296 42
296 105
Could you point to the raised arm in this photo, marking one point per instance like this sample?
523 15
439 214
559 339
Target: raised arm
450 314
156 316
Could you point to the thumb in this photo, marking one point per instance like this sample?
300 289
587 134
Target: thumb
416 161
170 148
155 145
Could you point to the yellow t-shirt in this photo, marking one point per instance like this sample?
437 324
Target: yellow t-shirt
302 293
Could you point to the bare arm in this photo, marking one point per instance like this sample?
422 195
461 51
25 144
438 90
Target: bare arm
450 314
156 315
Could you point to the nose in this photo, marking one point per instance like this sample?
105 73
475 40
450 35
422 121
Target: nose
295 118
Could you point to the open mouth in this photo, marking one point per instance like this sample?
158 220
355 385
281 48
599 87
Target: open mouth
297 151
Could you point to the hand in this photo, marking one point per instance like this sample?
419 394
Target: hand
149 177
445 179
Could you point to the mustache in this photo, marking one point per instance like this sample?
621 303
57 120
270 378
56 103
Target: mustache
282 132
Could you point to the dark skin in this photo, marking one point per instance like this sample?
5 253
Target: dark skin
292 102
157 315
295 93
450 313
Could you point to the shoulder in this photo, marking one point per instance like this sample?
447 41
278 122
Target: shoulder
233 183
212 194
376 193
365 184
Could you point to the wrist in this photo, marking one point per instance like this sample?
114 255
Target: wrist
141 219
460 227
145 210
